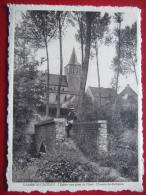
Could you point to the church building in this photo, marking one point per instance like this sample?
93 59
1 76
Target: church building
70 82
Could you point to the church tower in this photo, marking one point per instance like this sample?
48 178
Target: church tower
73 73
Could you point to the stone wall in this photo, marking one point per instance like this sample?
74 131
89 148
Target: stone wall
102 139
45 136
85 136
91 137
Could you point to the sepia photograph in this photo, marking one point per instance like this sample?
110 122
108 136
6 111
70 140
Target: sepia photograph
74 110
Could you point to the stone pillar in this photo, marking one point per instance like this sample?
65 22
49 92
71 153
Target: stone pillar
45 136
102 136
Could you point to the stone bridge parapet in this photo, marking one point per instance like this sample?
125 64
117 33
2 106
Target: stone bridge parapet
91 137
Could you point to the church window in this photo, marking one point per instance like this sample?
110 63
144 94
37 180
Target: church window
67 71
65 98
71 70
56 97
125 97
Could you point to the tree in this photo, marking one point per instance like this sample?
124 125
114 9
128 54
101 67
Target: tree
99 29
60 16
28 89
116 118
118 19
89 19
129 50
41 28
24 76
79 17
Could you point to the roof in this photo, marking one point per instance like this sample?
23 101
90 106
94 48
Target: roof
128 90
73 58
54 80
128 95
105 92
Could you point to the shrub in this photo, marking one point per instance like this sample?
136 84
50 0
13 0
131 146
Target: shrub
129 118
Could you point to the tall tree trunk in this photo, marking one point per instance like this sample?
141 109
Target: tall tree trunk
134 69
135 75
80 22
119 56
61 66
47 80
85 65
82 41
98 73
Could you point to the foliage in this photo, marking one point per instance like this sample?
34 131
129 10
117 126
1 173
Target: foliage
100 27
129 118
128 50
122 154
125 61
28 90
40 27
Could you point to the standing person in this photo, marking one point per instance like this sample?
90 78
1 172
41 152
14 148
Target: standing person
71 117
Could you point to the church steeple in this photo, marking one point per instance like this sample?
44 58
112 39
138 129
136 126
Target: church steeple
73 58
73 73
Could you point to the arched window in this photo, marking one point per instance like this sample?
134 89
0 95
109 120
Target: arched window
65 98
56 97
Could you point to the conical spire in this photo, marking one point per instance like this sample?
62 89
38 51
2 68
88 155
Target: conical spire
73 58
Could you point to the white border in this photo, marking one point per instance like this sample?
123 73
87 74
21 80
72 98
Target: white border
56 187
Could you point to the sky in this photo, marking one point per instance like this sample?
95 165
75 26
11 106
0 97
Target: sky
106 55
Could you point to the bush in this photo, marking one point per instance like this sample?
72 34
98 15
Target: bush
129 118
122 154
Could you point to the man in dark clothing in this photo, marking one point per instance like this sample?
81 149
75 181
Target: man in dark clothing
70 119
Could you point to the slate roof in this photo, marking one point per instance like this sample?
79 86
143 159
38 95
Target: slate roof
54 80
128 90
132 96
105 92
73 58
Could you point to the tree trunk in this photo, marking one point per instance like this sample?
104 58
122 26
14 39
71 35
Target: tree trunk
98 73
119 56
134 69
135 75
47 81
61 65
82 41
80 22
85 66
